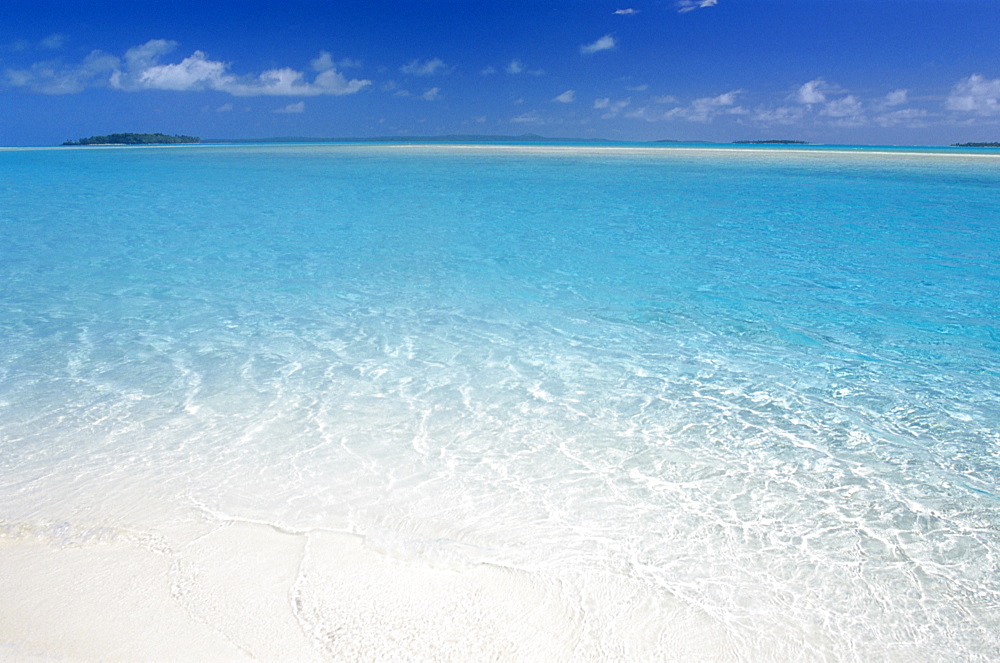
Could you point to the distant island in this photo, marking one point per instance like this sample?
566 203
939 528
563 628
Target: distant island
134 139
770 142
164 139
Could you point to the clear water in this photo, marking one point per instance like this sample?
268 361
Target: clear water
759 388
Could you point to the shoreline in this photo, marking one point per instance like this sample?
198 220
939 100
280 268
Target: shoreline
242 590
606 148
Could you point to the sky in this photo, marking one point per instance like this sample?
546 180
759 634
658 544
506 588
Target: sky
885 72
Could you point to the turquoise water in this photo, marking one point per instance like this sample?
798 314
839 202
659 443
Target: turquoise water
761 387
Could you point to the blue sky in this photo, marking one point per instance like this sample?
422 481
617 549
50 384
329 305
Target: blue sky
833 71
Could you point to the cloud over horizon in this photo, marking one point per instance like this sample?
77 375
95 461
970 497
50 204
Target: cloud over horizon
820 104
140 69
704 109
810 93
611 108
846 111
975 94
53 77
817 105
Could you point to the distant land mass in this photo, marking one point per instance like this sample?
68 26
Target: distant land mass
134 139
164 139
770 142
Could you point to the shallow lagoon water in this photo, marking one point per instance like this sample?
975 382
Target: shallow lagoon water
729 404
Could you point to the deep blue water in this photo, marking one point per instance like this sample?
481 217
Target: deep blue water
764 383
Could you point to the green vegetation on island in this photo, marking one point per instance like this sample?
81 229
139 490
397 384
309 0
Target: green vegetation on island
134 139
975 144
770 142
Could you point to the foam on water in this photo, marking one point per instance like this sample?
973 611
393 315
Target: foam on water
529 403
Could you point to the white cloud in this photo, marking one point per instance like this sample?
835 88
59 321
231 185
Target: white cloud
528 118
703 110
425 68
895 98
53 77
607 42
98 63
224 108
197 72
685 6
610 108
815 102
192 73
644 114
626 12
53 42
139 58
567 97
810 92
299 107
726 99
707 108
782 115
849 106
975 94
323 62
431 94
637 88
333 82
911 118
514 67
847 111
